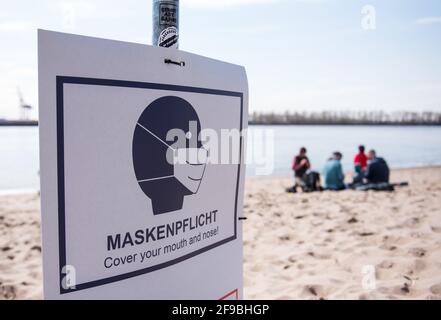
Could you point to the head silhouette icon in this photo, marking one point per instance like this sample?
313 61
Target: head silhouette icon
166 167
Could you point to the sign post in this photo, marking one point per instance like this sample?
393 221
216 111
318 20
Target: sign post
142 171
166 23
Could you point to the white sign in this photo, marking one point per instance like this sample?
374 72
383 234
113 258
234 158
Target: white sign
142 171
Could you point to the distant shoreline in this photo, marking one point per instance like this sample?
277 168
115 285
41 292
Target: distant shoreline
366 118
251 123
18 123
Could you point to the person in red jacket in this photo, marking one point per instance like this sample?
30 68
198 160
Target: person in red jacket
361 158
300 165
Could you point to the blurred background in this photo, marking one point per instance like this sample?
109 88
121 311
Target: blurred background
323 62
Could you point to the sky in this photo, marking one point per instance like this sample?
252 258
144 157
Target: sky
300 55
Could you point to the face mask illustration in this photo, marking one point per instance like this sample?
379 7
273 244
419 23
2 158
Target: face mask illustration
168 171
189 167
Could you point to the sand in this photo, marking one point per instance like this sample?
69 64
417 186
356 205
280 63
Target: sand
20 247
346 245
327 245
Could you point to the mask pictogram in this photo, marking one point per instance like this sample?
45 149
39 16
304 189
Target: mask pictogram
168 170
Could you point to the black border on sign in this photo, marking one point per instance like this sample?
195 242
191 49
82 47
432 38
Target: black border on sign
60 81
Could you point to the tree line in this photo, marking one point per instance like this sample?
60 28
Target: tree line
347 118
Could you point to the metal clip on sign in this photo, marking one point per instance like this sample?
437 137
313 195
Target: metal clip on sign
178 63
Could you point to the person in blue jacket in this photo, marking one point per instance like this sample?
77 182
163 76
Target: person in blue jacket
333 173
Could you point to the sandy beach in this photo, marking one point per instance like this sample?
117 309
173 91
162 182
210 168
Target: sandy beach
346 245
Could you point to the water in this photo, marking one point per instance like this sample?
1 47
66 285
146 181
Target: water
401 146
19 162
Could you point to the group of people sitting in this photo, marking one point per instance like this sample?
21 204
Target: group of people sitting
371 172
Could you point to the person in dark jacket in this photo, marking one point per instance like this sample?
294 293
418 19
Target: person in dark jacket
378 170
300 165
